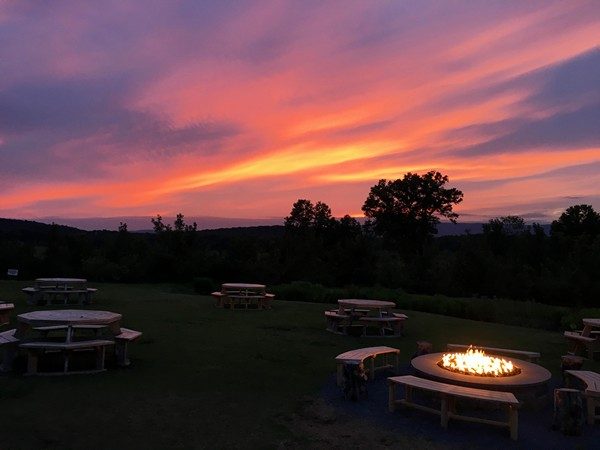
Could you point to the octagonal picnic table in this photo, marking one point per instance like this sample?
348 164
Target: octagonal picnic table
243 295
58 317
383 318
359 304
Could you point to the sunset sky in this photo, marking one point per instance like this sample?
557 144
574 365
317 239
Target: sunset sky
237 109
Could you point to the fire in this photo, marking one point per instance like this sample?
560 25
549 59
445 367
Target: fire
476 362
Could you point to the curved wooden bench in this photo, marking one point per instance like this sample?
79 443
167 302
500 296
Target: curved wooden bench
531 356
34 349
449 393
361 355
592 391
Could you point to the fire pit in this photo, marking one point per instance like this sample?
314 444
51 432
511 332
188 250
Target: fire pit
526 380
475 362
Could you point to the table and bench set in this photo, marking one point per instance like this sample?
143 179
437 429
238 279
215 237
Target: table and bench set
243 296
46 334
47 291
359 317
67 332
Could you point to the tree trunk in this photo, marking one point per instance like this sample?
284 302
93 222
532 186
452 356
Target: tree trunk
568 411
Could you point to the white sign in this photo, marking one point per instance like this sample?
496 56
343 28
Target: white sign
12 272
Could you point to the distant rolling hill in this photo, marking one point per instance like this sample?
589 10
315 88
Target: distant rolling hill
234 227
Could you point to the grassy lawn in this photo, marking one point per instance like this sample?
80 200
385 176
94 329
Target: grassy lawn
205 377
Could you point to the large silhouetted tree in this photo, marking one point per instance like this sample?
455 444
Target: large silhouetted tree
577 220
407 210
301 216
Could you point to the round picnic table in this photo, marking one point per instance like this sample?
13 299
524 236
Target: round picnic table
67 317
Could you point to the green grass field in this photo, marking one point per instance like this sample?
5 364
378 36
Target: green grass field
208 378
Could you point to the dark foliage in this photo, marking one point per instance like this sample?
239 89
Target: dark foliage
509 260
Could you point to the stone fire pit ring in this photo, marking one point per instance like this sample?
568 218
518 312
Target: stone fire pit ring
532 379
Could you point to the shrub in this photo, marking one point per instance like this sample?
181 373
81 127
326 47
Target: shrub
204 285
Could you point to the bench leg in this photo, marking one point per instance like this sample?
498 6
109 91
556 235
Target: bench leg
100 356
372 374
66 356
340 374
444 412
591 410
392 397
121 353
32 362
513 421
10 352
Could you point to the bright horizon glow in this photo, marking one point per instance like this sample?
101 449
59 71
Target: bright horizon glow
238 110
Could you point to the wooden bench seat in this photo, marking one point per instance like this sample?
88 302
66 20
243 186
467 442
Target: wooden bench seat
122 340
591 392
449 393
579 342
369 355
49 294
336 322
5 310
267 301
531 356
34 349
391 323
231 299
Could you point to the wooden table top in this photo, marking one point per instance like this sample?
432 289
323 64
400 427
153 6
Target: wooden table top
242 286
61 280
592 322
69 317
365 304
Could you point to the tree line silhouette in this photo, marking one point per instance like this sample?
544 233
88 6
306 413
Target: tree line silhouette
394 248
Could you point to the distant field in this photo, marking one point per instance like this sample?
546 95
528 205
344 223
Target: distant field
204 377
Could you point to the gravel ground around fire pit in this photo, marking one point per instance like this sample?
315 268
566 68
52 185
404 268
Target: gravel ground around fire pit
534 423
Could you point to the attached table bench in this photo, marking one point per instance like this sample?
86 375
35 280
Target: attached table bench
34 349
449 393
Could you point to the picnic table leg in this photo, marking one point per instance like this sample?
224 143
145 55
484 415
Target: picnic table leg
340 374
100 356
591 410
391 397
66 361
513 421
444 412
32 362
